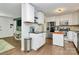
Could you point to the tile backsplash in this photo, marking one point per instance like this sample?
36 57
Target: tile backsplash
74 28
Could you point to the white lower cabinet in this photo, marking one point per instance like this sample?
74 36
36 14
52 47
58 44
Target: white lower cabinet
44 38
69 36
75 39
35 44
72 36
58 39
37 40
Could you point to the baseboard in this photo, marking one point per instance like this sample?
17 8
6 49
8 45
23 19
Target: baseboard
6 37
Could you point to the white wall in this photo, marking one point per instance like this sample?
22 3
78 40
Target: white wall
6 18
5 30
15 23
10 9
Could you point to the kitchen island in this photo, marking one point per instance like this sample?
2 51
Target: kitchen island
58 38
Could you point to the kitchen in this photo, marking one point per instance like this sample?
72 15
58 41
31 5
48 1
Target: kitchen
69 26
42 29
39 28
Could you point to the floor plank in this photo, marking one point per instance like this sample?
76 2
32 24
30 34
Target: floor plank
47 49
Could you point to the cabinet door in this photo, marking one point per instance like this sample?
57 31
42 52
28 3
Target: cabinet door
75 39
57 21
40 38
70 19
58 40
44 38
73 19
31 14
78 19
70 36
27 12
35 43
61 41
40 16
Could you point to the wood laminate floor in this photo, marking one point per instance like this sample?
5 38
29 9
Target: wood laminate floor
47 49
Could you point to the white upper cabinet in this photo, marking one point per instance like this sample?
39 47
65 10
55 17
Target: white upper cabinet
73 19
40 16
27 12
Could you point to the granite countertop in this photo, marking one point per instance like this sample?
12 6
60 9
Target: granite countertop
36 32
75 31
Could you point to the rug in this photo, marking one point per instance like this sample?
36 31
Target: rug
5 46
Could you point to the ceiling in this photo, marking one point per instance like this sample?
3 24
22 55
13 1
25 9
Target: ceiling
11 9
49 8
14 9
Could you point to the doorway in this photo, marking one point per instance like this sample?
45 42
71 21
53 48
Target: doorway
50 29
17 32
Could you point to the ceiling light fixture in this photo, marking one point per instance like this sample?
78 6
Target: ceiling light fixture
60 10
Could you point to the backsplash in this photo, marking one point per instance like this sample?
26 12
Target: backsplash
37 28
74 28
